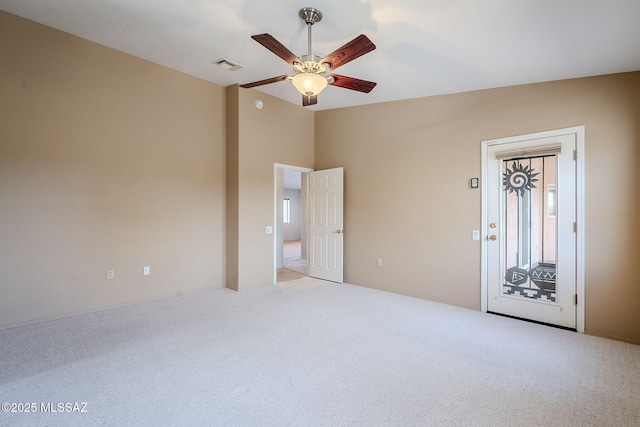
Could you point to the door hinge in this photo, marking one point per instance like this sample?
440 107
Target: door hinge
575 299
575 154
575 227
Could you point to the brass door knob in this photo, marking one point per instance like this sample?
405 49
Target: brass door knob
493 237
338 231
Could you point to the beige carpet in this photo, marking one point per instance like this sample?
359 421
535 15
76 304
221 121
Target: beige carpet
295 267
313 353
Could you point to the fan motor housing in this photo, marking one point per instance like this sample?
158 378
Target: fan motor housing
313 67
310 58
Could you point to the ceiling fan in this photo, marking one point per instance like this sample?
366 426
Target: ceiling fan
309 70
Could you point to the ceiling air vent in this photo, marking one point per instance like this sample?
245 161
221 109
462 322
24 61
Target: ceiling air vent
226 64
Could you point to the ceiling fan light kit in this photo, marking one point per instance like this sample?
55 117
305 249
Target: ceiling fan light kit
309 84
309 72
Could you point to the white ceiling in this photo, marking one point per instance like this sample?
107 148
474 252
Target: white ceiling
292 179
424 47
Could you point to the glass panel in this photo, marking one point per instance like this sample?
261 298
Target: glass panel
529 201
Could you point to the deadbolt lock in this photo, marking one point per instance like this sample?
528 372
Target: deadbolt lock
493 225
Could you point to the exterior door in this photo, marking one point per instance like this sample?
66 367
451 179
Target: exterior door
531 239
326 224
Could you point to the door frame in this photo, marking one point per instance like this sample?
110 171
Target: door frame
579 131
276 221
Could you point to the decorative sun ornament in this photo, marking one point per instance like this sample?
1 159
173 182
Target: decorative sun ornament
519 179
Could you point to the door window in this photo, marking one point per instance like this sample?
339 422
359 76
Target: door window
530 231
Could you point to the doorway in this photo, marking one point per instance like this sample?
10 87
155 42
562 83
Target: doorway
293 263
321 233
532 254
291 223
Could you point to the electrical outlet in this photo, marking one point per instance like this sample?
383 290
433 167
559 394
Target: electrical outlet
379 262
110 274
147 270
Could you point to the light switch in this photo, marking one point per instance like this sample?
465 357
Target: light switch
147 270
269 229
476 234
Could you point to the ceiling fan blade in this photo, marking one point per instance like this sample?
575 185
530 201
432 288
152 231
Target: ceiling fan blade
309 100
265 81
350 51
268 41
352 83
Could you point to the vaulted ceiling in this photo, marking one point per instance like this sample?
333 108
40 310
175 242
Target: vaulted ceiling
424 47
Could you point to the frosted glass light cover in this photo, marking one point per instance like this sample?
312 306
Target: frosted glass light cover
309 84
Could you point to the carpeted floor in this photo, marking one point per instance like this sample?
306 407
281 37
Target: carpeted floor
294 267
313 353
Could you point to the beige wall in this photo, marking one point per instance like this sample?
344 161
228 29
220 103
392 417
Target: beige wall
111 162
106 162
280 132
407 200
231 218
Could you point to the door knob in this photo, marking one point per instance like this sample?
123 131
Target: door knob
338 231
493 237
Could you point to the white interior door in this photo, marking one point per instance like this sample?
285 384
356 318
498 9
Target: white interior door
326 195
531 239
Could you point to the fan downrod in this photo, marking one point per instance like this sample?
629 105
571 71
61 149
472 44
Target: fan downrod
310 15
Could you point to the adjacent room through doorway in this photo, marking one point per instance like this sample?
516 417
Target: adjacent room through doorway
294 266
294 263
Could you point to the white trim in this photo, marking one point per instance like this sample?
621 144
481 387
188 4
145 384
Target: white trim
579 131
580 233
484 289
282 166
